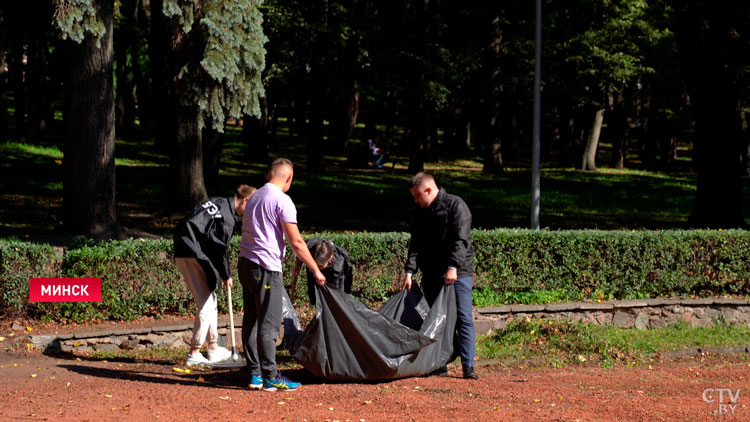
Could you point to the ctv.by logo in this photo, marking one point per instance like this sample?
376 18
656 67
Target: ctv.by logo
727 399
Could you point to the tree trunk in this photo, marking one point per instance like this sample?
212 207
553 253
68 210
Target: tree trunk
650 134
315 133
568 155
433 139
3 75
124 40
36 75
620 132
745 169
186 185
272 117
4 135
705 42
350 115
466 135
592 143
158 50
418 137
89 206
493 158
16 72
668 148
143 83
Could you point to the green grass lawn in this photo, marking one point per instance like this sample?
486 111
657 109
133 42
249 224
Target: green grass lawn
558 343
347 199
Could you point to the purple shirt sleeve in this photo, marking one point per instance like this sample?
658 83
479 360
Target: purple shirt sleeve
287 210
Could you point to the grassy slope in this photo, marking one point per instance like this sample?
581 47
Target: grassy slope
351 199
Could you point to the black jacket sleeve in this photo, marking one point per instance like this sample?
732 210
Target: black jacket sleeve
415 245
459 234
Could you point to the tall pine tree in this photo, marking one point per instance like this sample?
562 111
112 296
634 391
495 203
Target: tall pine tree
214 62
89 206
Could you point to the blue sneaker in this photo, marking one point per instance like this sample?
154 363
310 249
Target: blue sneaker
256 383
280 383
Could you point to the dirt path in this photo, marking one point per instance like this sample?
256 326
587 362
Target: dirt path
68 388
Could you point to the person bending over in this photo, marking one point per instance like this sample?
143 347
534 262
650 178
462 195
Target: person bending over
201 250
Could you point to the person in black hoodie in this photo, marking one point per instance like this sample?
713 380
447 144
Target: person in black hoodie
333 261
201 251
441 247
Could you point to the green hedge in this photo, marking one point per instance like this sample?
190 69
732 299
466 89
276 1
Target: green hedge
511 266
614 264
20 261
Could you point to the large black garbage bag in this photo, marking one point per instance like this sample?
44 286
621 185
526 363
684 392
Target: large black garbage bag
349 341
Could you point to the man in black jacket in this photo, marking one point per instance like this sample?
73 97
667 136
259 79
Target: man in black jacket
441 247
201 250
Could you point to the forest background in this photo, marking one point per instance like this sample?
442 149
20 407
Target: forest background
117 117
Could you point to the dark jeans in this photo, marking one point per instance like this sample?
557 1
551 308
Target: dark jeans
261 293
464 320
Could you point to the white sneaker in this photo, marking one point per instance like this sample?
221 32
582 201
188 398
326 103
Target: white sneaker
218 354
196 359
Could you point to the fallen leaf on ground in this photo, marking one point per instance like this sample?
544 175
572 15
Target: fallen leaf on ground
224 397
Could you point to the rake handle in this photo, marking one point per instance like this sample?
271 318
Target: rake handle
231 321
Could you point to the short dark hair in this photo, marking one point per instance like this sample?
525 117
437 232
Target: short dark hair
421 178
322 252
244 191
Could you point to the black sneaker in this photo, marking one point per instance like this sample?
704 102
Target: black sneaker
440 372
469 373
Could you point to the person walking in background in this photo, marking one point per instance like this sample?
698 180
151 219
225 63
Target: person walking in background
376 155
333 261
441 247
270 218
201 250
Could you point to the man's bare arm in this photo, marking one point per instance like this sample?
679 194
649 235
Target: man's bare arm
300 249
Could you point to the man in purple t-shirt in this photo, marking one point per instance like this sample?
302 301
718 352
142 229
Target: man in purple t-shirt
270 217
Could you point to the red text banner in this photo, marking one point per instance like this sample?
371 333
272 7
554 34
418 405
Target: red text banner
65 289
